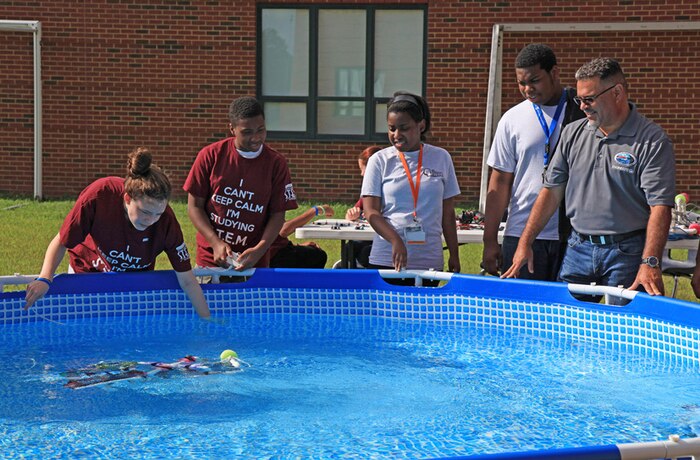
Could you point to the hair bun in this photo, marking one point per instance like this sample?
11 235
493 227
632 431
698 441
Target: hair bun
138 162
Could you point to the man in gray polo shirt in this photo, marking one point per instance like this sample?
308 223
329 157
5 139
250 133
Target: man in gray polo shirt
617 172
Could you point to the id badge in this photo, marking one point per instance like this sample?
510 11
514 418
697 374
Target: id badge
415 234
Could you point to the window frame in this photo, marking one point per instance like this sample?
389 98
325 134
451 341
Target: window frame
313 98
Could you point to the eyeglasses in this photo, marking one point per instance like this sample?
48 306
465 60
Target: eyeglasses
588 100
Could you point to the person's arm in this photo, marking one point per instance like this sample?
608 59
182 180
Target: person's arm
373 214
198 216
251 256
546 204
497 198
52 259
657 235
695 282
304 218
189 284
449 232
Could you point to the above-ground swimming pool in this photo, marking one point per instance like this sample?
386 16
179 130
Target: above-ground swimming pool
339 364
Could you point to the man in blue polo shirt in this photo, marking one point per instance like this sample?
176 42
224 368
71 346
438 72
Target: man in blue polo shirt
616 170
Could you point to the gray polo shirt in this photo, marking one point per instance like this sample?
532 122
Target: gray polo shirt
611 181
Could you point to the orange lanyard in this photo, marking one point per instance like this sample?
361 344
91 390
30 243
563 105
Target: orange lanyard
414 186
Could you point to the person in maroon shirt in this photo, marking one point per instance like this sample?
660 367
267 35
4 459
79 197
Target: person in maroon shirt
238 192
120 225
355 212
361 249
285 254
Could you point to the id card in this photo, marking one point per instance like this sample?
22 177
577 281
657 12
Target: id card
415 234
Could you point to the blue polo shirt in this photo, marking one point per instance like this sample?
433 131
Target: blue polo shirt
612 180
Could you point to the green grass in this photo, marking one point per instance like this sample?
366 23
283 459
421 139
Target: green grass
28 226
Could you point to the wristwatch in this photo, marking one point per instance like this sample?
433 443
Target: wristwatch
651 261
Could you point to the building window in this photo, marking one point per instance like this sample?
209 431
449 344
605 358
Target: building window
326 72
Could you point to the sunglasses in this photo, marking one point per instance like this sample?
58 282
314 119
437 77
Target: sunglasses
588 100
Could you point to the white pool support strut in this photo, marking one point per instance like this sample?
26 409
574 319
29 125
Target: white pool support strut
673 448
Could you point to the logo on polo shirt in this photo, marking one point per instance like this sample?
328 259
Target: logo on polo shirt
625 159
431 173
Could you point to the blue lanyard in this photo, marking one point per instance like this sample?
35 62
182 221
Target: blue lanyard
548 131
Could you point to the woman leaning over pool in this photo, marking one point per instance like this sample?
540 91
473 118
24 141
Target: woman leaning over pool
121 225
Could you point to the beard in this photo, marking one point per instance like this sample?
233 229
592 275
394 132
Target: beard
595 123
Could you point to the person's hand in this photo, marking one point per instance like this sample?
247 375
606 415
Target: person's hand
313 244
35 291
217 321
327 210
491 258
221 251
353 213
453 264
399 255
650 279
522 256
249 258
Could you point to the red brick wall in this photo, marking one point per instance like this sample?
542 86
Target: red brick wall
123 73
16 112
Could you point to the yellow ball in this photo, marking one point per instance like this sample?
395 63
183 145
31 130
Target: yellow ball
226 355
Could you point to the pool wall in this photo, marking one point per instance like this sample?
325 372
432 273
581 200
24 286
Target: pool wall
666 329
658 326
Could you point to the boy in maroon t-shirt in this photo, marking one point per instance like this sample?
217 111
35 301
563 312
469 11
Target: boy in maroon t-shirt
238 192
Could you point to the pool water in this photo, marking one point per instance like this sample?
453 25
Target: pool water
329 386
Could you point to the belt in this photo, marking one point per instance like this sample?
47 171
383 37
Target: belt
610 239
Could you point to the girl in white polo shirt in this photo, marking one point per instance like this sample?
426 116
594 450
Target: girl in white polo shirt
408 194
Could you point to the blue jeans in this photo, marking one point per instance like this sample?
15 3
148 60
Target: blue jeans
546 258
613 264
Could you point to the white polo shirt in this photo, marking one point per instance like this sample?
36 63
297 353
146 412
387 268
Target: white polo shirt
385 177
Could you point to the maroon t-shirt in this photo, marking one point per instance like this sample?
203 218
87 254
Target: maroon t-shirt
279 243
100 237
240 194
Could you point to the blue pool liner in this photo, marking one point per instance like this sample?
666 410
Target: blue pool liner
478 287
665 328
